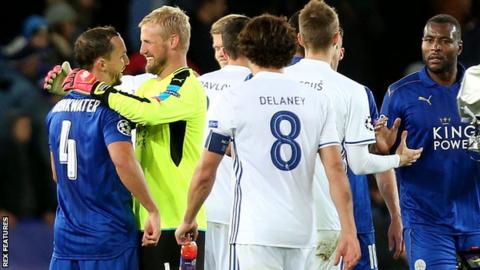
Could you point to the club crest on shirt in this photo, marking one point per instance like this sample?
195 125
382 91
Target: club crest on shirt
368 123
123 126
420 264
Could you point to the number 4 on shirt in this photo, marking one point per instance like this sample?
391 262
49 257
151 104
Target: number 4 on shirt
68 151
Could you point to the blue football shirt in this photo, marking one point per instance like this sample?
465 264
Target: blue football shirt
94 215
441 191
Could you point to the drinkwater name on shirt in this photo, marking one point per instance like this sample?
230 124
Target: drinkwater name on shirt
76 105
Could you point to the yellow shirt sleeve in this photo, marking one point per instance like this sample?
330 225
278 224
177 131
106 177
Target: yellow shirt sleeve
174 98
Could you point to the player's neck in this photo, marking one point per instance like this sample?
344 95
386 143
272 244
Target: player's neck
173 64
256 69
445 78
241 61
322 55
101 76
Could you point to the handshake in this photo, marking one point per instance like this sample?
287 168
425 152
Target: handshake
62 79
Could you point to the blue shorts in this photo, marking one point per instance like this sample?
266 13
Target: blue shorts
368 261
436 251
127 260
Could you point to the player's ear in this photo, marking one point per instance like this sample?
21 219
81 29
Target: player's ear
460 47
342 53
225 53
174 41
336 39
100 64
300 40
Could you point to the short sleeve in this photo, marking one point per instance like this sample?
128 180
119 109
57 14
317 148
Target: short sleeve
359 125
388 108
115 127
328 132
220 116
48 119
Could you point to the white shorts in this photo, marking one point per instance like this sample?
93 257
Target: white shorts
216 246
254 257
326 250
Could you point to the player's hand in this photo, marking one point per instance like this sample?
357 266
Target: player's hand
152 231
184 232
395 237
407 156
348 249
385 137
85 82
80 80
54 79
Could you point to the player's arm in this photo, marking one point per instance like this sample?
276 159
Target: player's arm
361 161
329 150
54 79
202 183
132 177
151 111
348 246
169 106
52 165
387 185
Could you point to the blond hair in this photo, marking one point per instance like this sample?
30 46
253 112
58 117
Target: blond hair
318 23
171 20
217 27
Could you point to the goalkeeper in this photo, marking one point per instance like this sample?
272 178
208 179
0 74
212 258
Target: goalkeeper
169 126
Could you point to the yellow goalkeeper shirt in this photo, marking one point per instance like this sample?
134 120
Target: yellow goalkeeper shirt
170 116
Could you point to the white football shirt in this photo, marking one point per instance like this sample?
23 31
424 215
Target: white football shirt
277 126
219 203
130 83
350 102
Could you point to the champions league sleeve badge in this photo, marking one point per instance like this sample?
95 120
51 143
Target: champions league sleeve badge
369 123
124 127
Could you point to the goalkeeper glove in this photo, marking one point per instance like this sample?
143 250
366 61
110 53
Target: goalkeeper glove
52 83
83 81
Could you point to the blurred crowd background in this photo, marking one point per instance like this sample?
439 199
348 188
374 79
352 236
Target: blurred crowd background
382 41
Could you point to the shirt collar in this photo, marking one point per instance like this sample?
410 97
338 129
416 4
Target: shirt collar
316 62
236 67
429 82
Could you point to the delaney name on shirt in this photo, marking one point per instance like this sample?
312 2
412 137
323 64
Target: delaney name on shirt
76 105
273 100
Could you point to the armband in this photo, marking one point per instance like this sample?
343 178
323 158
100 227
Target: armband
217 143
